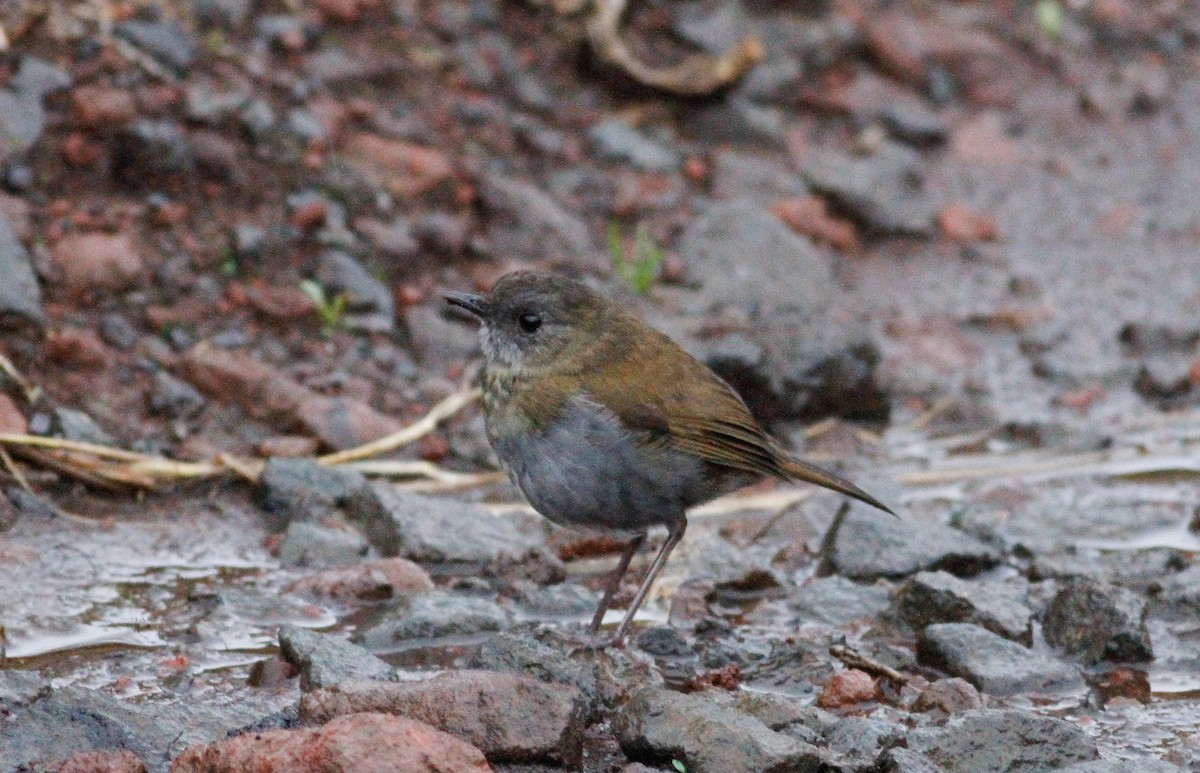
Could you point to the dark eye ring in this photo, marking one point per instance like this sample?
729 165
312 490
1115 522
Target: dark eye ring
529 322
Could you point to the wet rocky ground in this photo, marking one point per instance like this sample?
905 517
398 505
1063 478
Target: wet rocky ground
950 249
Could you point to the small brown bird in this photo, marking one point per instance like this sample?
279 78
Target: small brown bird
604 423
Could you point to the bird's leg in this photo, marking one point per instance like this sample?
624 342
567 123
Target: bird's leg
614 579
660 561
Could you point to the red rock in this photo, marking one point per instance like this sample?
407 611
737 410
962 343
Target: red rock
847 688
357 743
309 216
281 303
267 393
77 348
372 580
12 421
952 696
1082 399
727 677
107 761
404 168
965 226
695 169
1128 683
290 446
512 718
100 107
96 261
339 10
78 151
983 140
810 216
1194 373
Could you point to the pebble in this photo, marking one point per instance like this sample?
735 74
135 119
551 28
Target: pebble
302 490
436 614
175 398
615 140
940 597
20 293
1002 739
167 42
1094 622
530 222
326 659
22 121
313 544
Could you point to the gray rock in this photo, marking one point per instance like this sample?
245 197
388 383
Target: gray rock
902 760
940 597
175 398
22 120
564 600
510 718
248 241
1176 596
204 104
20 294
759 179
615 140
313 545
801 721
148 149
714 29
865 544
659 726
257 117
436 614
1095 622
529 222
738 121
18 688
855 742
338 272
882 191
819 354
325 659
77 425
394 240
304 125
73 719
118 332
167 42
226 14
302 490
38 78
990 662
437 531
1003 740
837 601
1140 765
950 696
912 121
606 677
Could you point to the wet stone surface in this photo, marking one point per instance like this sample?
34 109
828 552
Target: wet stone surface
946 250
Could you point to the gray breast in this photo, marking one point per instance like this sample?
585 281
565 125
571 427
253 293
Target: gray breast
587 470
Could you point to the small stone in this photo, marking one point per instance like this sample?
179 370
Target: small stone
20 294
847 688
97 261
404 168
12 420
167 42
38 78
22 121
435 614
303 490
148 150
866 544
364 743
287 447
510 718
739 122
1094 622
78 426
960 224
706 737
527 221
369 581
338 272
992 663
311 544
743 176
952 696
102 107
616 140
77 348
325 660
940 597
439 531
175 398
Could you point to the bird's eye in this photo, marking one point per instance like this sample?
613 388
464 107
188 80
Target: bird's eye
529 322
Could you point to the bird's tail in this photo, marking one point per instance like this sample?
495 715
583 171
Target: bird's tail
809 473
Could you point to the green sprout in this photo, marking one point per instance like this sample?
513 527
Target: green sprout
329 309
678 765
640 267
1049 15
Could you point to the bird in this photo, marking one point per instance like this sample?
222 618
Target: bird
606 424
